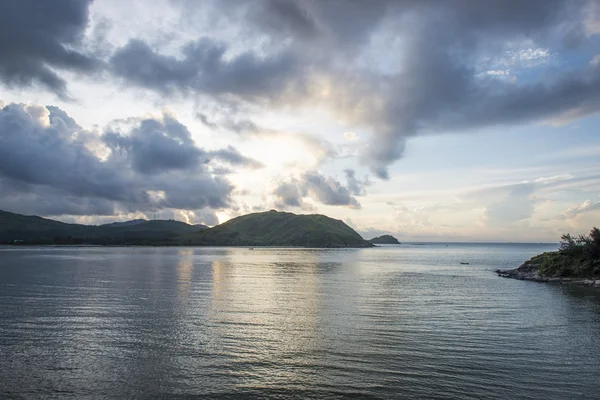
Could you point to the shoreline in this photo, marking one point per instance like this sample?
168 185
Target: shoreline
528 272
182 245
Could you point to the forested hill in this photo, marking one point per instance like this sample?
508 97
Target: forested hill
22 229
270 228
273 228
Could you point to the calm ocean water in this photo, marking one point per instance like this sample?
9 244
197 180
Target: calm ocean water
391 322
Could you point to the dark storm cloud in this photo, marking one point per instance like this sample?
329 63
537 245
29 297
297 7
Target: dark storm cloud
38 147
23 198
203 67
285 17
48 166
158 146
339 54
37 38
313 184
440 82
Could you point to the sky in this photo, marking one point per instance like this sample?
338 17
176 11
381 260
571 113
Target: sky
461 120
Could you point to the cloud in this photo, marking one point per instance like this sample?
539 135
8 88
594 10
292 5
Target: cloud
288 194
436 86
350 136
47 167
328 191
516 206
161 145
585 207
325 190
41 38
38 147
355 186
234 157
321 149
204 67
396 69
156 146
25 198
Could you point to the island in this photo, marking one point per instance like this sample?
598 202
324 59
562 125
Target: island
577 261
275 228
384 239
271 228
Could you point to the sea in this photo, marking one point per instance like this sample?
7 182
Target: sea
393 322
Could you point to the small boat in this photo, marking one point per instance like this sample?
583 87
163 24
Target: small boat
464 263
251 248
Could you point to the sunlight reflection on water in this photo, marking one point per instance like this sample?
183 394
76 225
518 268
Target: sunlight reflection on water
402 321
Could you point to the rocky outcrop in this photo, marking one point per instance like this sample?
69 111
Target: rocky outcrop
528 271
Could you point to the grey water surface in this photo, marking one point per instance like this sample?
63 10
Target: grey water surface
404 321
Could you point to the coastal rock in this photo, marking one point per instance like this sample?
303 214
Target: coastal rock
576 262
528 271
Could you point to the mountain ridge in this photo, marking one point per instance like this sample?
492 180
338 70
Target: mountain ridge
271 228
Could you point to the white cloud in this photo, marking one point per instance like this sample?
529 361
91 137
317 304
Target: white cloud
498 72
350 136
586 207
530 54
520 56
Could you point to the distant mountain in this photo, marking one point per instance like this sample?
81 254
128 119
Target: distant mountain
36 230
125 223
261 229
273 228
16 227
385 239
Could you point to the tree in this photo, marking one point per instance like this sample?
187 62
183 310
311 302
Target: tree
567 243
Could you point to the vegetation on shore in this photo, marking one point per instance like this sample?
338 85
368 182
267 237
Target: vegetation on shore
576 257
270 228
384 239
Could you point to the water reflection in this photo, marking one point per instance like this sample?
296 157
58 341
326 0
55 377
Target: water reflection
263 317
185 263
145 323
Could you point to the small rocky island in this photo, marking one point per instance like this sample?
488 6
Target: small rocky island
577 261
385 239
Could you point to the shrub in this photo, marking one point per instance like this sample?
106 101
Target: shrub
577 256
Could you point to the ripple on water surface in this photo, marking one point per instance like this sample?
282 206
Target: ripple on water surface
399 321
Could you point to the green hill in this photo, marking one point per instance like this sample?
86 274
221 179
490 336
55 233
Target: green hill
36 230
16 227
274 228
385 239
262 229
